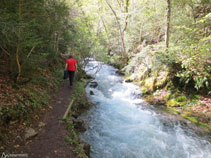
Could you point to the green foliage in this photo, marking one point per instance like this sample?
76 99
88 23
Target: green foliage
181 99
169 59
35 96
34 33
172 103
178 102
79 90
144 90
140 60
75 140
195 55
184 77
33 37
194 98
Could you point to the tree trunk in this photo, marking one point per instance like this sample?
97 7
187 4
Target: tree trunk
18 45
18 63
168 10
56 43
126 11
120 32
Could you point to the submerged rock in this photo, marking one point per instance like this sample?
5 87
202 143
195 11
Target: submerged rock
120 72
79 125
93 84
88 77
91 93
128 80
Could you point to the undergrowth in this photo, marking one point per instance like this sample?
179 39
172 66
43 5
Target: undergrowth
22 102
77 108
74 140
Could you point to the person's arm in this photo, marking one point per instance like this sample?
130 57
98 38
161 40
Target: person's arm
66 65
76 67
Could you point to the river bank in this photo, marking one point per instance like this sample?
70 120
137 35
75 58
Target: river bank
161 83
161 93
193 107
198 114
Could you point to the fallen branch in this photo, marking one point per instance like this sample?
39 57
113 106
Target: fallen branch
98 69
30 51
68 109
5 51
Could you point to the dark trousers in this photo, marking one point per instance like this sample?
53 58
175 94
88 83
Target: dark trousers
71 77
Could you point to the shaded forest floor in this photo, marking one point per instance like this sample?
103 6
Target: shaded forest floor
50 140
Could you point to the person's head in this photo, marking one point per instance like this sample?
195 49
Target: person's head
70 56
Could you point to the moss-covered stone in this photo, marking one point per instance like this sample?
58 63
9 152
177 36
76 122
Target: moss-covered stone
144 73
177 102
167 96
142 82
194 120
162 79
171 109
168 85
181 99
150 83
144 90
172 103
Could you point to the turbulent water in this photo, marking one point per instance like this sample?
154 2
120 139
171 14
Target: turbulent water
121 125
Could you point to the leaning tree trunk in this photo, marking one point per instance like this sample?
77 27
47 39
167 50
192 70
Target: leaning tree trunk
18 44
168 10
121 32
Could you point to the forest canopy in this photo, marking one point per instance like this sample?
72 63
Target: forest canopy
37 32
124 27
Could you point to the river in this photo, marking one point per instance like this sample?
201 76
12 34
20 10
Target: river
122 125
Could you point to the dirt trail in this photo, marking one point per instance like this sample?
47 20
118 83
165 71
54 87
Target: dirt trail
50 143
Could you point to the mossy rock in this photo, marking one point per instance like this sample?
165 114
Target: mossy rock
129 78
162 79
169 85
174 110
144 90
145 72
142 82
150 83
167 96
172 103
181 99
176 103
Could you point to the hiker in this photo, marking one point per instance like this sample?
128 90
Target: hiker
71 66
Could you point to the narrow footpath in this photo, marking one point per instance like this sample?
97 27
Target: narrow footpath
50 141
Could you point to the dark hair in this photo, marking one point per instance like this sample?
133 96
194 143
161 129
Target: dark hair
70 56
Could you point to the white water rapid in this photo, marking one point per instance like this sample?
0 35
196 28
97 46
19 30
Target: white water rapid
122 125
